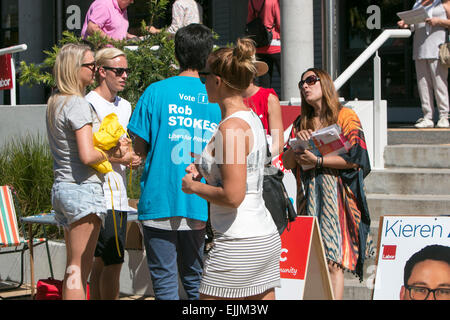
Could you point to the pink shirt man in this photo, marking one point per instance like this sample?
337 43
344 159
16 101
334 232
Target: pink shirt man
109 17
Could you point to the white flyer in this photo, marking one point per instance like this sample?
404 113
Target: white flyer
413 16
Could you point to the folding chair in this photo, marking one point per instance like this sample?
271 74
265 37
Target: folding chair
9 231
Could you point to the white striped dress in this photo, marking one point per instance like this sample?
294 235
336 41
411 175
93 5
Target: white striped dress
245 257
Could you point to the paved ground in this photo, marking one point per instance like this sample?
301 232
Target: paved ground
24 293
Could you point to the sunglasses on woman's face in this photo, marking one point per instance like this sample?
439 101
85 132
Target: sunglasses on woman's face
202 76
90 66
310 81
118 71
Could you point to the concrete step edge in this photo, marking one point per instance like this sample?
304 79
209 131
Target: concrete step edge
408 197
395 170
415 166
413 129
418 146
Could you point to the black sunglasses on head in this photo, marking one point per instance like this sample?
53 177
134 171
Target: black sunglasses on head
117 71
310 81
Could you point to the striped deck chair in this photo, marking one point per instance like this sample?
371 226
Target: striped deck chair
9 230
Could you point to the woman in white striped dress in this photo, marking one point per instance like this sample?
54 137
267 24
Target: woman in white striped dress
244 260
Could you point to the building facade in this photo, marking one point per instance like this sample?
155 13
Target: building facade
39 24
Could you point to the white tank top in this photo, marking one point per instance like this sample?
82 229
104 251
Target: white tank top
251 218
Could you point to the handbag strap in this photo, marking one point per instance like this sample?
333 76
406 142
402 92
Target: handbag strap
260 9
268 153
257 13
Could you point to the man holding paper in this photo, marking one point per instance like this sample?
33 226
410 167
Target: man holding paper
431 73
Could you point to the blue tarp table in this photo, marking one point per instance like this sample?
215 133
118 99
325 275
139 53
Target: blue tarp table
49 219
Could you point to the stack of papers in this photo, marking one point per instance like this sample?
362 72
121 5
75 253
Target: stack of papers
325 141
413 16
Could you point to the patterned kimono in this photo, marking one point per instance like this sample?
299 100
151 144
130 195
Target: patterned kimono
336 197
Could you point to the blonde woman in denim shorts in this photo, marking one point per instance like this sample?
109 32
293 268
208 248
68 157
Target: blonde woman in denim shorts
77 193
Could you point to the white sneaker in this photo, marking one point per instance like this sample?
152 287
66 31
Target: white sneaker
424 123
442 123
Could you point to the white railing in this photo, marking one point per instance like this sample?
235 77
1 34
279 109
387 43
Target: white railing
11 50
379 117
371 50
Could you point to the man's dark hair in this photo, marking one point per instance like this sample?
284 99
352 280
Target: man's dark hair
193 44
433 252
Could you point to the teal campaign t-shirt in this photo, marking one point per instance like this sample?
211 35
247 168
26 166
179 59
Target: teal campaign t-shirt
175 118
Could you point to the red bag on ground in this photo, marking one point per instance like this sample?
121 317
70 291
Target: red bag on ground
51 289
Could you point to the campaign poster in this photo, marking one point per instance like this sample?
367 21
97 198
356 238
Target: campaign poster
401 237
295 252
6 79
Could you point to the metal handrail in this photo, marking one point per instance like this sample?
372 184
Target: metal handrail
13 49
379 115
371 50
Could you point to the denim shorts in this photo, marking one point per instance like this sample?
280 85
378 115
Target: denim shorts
72 201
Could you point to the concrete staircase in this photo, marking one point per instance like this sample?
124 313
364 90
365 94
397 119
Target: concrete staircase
416 180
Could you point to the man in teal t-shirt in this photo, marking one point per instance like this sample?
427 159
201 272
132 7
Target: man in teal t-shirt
173 119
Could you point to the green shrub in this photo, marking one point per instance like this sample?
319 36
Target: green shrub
27 164
147 64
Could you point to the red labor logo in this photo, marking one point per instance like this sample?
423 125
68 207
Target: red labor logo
389 252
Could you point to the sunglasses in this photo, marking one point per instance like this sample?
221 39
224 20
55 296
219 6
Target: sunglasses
90 66
118 71
202 76
310 81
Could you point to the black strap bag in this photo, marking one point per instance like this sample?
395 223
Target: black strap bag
257 31
276 197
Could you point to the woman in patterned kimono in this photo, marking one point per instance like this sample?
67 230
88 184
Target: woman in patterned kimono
333 190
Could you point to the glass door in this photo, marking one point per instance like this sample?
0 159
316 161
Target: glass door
359 28
9 32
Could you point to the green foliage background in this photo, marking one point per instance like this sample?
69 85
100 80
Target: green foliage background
151 59
27 164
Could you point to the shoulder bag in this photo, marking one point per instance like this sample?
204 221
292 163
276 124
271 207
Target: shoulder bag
276 197
444 51
444 54
257 31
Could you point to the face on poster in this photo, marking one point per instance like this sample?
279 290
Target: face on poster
402 237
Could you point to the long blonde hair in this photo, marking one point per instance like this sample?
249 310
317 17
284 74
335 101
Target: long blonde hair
66 74
330 102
